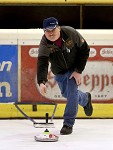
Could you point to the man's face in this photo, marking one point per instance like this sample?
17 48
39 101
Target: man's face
53 34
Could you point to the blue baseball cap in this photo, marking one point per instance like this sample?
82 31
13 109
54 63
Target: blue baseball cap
50 23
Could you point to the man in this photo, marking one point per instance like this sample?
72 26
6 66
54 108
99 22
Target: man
67 51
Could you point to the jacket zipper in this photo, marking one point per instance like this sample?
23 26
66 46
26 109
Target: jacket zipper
63 55
64 60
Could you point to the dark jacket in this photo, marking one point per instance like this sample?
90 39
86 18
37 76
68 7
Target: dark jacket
72 56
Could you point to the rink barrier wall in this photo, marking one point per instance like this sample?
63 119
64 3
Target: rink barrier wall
18 55
46 2
9 111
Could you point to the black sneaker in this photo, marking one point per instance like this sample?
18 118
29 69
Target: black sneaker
88 109
66 130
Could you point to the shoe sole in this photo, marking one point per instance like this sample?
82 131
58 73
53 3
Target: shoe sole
89 106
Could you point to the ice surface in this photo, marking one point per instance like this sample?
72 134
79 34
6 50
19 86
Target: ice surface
88 134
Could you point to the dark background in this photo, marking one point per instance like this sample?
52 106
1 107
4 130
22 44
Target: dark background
78 16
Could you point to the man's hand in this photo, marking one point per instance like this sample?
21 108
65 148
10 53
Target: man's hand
77 77
43 89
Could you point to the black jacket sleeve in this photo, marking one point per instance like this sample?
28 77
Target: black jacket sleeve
83 50
82 56
42 69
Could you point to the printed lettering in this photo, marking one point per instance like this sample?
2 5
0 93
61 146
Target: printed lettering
8 65
6 85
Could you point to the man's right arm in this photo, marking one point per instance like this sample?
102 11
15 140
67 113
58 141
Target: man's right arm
42 69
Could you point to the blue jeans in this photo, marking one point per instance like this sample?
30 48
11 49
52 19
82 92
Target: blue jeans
69 90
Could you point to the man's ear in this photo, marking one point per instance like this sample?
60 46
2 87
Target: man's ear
59 27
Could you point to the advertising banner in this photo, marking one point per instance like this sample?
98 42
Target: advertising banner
8 73
97 77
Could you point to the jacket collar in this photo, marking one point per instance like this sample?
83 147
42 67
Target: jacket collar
66 39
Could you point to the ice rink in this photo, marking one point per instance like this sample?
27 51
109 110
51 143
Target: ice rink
88 134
